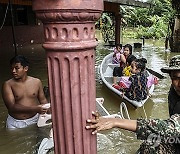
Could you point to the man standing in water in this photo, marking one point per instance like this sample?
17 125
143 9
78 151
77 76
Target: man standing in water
23 95
160 136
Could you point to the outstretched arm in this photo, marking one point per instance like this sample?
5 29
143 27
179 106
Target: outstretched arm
100 123
142 127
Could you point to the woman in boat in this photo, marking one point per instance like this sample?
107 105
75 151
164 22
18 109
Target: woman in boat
117 72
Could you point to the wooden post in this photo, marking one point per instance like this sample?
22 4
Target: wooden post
69 29
117 28
176 35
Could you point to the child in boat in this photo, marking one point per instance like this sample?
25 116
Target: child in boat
117 54
124 80
117 71
151 78
127 69
138 89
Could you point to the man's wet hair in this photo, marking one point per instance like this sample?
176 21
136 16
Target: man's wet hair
19 59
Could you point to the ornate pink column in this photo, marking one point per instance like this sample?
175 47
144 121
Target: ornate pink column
69 28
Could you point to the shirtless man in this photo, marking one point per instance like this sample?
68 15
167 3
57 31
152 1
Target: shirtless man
23 95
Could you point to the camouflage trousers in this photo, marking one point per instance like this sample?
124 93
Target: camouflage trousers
162 148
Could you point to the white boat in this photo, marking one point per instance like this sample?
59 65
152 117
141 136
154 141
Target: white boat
106 72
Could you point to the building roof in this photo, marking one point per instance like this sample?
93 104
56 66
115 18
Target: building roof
139 3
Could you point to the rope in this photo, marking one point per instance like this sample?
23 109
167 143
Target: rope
4 17
123 106
12 22
144 109
144 112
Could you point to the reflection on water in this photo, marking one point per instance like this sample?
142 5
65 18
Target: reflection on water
114 141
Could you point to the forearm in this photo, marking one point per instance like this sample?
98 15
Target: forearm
130 125
108 123
18 108
123 59
43 101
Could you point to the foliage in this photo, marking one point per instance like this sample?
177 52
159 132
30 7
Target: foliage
135 17
153 22
106 25
150 23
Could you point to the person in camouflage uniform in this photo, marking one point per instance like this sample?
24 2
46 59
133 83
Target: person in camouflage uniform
174 93
168 146
159 136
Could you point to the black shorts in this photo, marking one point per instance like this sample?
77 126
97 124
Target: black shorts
117 71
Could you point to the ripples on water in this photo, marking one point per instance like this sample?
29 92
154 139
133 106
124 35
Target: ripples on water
115 141
156 106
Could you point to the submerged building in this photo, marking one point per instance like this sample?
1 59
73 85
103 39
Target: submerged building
28 29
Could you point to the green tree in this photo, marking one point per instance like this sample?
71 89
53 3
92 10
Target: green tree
152 22
106 25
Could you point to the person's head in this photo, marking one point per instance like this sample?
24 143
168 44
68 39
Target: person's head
130 59
19 66
127 50
139 65
174 72
118 47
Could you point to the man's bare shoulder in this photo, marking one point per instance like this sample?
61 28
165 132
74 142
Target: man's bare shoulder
30 78
34 80
8 82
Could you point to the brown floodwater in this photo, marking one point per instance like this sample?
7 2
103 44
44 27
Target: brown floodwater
115 141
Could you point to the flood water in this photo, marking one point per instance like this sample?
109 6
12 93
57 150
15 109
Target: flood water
115 141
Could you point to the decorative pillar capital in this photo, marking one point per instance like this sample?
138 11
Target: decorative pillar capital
68 25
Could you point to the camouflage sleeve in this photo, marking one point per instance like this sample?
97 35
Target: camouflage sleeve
164 128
